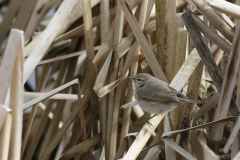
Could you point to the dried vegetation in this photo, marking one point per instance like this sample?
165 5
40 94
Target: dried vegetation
73 58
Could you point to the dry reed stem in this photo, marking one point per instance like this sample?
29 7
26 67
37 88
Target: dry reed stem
91 71
178 60
169 152
5 133
14 45
105 18
192 92
16 101
3 113
118 33
165 35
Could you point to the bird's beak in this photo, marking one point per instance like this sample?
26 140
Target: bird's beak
132 78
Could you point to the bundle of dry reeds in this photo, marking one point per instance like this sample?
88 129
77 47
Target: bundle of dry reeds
64 69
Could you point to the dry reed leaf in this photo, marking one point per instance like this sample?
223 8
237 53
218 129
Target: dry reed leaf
127 42
56 96
79 31
108 88
212 102
225 7
64 57
130 104
177 148
227 88
82 147
101 77
106 46
187 69
49 94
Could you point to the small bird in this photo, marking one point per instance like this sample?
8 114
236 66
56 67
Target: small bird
155 96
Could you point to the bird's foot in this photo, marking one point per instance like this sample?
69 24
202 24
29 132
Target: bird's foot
150 124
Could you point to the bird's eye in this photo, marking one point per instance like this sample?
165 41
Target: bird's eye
138 79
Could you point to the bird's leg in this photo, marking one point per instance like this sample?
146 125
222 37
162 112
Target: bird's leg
150 125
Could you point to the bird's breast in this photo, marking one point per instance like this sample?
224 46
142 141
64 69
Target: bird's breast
155 107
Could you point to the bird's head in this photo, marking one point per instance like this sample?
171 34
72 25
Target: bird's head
140 80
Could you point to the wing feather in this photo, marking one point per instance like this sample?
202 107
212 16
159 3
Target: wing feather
158 93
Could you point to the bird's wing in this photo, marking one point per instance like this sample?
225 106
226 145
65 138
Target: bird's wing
158 94
178 94
183 98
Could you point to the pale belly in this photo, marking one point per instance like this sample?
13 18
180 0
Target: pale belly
155 107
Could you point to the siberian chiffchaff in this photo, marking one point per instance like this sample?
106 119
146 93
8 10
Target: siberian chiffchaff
155 96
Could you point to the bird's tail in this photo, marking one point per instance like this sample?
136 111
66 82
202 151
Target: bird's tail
188 100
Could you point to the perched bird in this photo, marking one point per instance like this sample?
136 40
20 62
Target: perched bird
155 96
